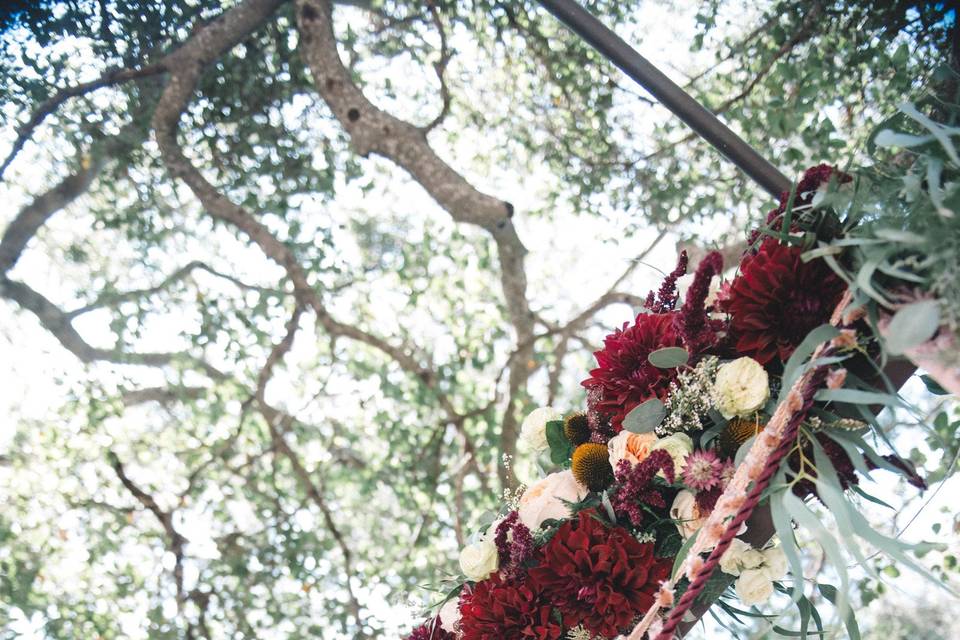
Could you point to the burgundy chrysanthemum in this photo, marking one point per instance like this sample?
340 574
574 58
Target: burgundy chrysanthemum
778 299
624 375
500 609
431 631
598 576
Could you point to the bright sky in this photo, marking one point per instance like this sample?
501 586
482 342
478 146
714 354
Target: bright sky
34 363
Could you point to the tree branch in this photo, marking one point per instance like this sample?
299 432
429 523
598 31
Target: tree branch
373 130
33 216
440 67
114 299
175 542
108 79
304 477
58 323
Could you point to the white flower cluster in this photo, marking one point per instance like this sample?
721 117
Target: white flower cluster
756 570
579 633
690 398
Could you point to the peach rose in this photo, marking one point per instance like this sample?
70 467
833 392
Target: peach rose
544 499
633 447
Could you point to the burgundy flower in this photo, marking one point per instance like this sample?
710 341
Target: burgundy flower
666 298
778 299
500 609
624 375
635 485
697 329
842 465
513 550
431 631
598 576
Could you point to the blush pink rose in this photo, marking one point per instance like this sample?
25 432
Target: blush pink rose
544 499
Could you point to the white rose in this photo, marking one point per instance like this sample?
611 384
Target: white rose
544 499
739 557
450 615
742 387
533 431
686 512
679 446
775 563
754 587
479 560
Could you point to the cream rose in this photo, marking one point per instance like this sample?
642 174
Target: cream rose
633 447
685 511
533 431
754 587
679 446
479 560
450 615
739 557
775 563
742 387
544 499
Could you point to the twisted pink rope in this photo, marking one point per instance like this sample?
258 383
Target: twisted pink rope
786 443
783 428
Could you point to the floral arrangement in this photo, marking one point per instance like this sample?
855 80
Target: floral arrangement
753 393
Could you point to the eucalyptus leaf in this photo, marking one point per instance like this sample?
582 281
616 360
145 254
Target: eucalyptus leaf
682 554
645 417
912 325
849 617
743 451
791 371
669 357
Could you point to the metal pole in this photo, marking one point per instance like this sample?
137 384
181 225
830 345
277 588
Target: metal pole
704 123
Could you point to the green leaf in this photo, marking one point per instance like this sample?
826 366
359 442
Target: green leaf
682 554
788 542
743 450
933 386
791 372
645 417
912 325
560 447
849 617
857 396
608 507
669 357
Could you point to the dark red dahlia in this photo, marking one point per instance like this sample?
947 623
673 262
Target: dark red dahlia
500 609
624 375
778 299
431 631
599 576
